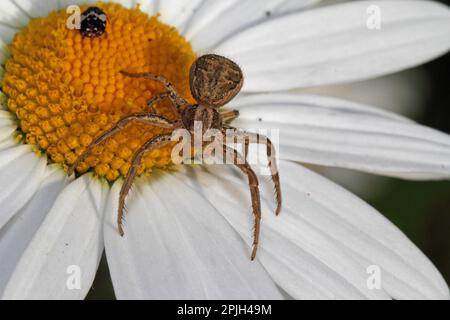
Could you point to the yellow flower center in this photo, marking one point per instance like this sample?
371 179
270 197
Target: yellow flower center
66 89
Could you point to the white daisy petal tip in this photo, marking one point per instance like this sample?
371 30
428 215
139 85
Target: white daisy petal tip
344 49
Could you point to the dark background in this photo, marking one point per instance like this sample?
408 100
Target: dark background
420 209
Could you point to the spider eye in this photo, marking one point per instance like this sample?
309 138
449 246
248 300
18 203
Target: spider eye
215 80
93 22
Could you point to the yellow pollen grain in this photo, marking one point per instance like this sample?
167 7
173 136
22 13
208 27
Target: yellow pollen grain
65 89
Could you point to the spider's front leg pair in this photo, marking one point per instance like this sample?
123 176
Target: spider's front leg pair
170 93
156 142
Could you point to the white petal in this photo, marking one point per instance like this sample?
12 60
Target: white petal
7 143
69 238
7 125
63 4
41 8
4 51
7 34
333 132
325 237
176 246
404 92
148 6
333 44
13 15
34 8
21 173
215 20
126 3
178 12
287 6
18 233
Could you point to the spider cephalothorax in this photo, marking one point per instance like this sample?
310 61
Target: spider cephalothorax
214 81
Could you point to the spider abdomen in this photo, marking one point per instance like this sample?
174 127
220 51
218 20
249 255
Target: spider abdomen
215 80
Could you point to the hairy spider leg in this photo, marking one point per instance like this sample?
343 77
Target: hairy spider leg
176 98
155 142
242 164
161 96
228 116
261 139
145 117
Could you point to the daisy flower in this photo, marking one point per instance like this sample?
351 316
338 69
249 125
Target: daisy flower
188 232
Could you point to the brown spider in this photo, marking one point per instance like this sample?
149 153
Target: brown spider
214 81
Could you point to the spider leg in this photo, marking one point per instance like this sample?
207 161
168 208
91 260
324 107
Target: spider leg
246 146
145 117
228 116
174 95
175 106
261 139
254 192
154 100
155 142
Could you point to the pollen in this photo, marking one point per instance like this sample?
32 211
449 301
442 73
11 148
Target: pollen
66 89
